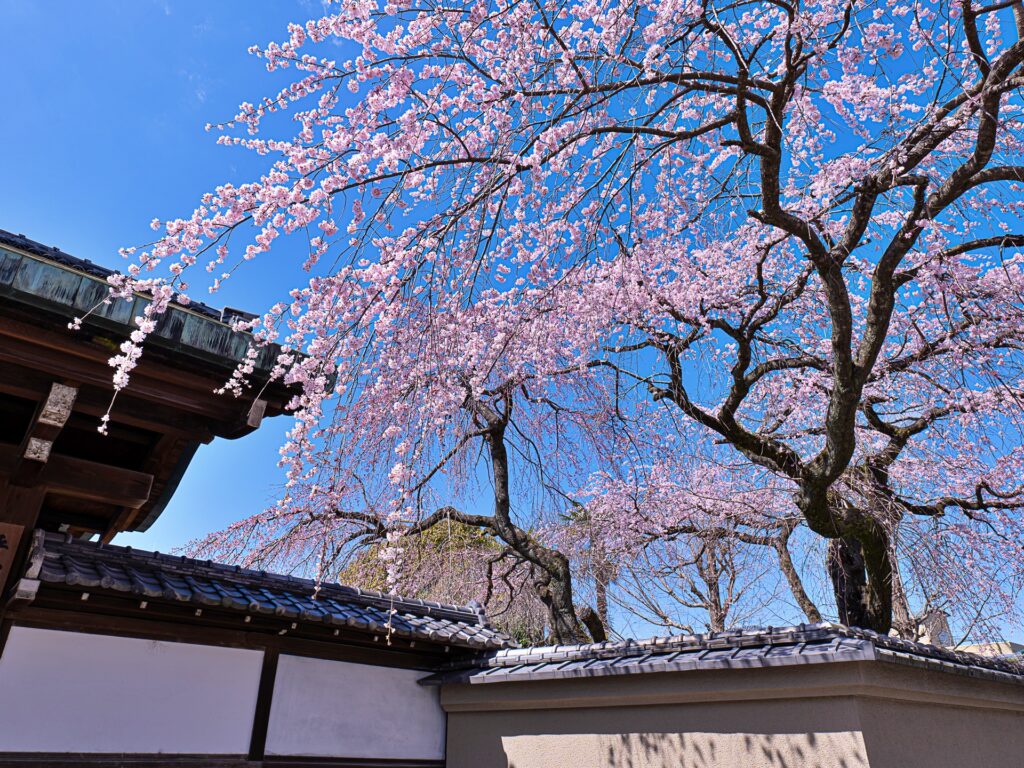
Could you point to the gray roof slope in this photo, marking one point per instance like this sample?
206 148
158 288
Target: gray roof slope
736 649
63 560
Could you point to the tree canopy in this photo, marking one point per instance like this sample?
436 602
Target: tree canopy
707 270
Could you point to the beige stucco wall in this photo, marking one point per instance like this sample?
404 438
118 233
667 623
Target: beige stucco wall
935 736
854 715
803 733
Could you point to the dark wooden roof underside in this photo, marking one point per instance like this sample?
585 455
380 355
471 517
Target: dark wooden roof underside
156 424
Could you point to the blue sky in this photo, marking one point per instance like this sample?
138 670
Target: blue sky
104 108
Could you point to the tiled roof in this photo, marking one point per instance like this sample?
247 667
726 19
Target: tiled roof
60 559
91 268
37 275
737 649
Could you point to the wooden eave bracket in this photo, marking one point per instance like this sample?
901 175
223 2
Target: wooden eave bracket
25 591
57 408
256 413
47 423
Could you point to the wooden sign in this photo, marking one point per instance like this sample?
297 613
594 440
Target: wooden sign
10 537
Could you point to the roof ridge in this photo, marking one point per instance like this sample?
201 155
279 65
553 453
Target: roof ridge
369 597
661 644
38 249
900 645
737 639
734 649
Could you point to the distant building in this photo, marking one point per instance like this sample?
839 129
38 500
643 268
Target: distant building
933 628
995 648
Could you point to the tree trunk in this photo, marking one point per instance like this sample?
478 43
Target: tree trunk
710 572
593 623
796 585
552 577
858 560
861 574
602 578
554 588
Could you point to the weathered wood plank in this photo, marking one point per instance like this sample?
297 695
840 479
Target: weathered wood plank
93 400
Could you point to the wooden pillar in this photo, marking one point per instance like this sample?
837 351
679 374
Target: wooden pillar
264 698
19 511
21 493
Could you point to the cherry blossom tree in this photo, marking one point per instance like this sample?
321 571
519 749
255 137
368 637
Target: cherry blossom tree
561 238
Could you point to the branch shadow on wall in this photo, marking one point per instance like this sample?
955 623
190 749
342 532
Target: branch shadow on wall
752 750
690 750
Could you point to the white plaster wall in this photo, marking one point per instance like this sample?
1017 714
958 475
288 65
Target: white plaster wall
338 709
76 692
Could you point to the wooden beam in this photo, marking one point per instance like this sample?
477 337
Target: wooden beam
19 511
85 760
93 400
97 482
84 479
60 364
77 357
10 547
118 524
153 760
61 608
10 537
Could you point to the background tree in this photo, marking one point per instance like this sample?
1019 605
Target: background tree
571 237
691 548
458 564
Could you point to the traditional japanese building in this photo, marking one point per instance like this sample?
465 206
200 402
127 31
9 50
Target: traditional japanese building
112 656
57 472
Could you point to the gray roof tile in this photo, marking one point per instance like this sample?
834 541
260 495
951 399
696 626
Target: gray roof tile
64 259
60 559
757 647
